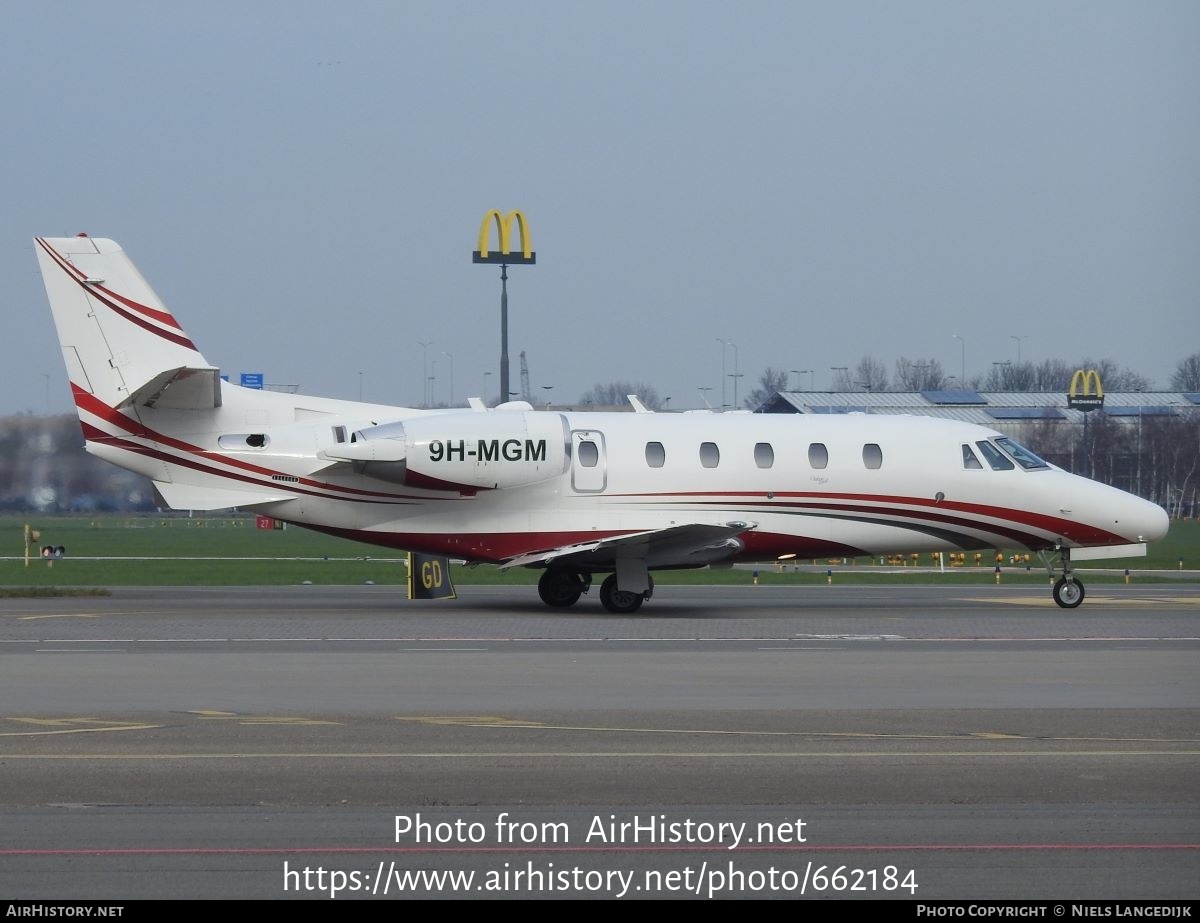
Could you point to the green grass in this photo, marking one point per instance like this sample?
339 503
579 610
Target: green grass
170 536
175 551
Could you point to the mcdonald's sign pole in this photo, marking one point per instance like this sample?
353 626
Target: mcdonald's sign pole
1086 393
504 255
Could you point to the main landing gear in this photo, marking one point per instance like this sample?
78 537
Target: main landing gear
623 602
1067 592
561 588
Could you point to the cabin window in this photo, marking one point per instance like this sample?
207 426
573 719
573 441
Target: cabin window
243 441
589 455
710 455
818 455
656 455
994 457
764 455
1024 457
969 458
872 455
339 434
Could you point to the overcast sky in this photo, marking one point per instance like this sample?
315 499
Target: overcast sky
303 183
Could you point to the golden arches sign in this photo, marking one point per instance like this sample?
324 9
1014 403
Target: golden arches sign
504 228
1086 392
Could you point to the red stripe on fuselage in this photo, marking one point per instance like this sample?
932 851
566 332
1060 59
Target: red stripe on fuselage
135 427
1077 531
290 488
876 515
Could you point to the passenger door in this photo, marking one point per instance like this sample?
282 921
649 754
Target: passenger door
589 472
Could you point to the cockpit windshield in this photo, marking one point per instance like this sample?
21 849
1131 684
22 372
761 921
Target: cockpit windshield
994 457
1023 456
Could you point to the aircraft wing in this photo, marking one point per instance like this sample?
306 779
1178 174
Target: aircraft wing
691 545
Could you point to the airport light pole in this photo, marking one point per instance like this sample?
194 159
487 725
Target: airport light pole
1139 444
724 370
703 396
922 380
1013 336
425 344
483 396
736 374
962 372
450 356
547 389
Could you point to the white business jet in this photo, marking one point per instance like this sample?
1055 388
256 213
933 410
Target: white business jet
575 494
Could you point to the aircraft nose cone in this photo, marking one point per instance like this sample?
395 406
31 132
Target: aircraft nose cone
1145 522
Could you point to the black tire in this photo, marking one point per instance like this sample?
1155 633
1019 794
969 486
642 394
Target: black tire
1068 593
618 602
560 588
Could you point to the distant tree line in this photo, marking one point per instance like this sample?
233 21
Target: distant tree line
615 394
870 374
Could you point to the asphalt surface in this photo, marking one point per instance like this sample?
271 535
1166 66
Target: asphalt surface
726 741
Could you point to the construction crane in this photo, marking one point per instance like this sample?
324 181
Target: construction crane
525 379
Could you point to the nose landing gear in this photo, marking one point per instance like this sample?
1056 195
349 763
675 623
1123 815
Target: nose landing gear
1067 592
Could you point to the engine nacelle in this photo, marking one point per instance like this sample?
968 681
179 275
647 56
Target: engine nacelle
467 451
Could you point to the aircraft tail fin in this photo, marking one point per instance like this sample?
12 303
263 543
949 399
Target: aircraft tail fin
119 341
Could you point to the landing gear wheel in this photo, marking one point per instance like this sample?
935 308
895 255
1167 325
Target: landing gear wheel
1068 593
618 602
560 588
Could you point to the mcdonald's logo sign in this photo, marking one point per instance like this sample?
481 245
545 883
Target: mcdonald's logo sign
504 225
1085 392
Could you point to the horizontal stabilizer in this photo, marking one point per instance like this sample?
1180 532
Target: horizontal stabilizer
180 389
